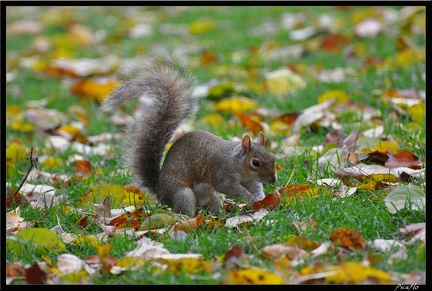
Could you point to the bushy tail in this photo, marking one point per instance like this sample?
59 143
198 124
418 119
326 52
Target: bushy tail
169 90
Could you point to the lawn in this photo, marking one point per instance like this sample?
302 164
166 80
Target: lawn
338 91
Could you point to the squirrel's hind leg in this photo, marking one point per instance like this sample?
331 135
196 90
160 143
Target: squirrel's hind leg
184 201
207 197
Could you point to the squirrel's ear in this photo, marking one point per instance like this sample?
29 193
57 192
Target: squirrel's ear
246 144
261 138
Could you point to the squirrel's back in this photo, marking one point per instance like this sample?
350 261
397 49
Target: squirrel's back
169 90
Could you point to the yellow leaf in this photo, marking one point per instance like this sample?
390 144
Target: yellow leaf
302 242
16 151
405 58
201 26
236 104
12 111
81 35
340 95
418 112
352 273
53 162
96 90
220 90
385 147
190 265
279 127
252 276
22 126
213 119
75 278
75 133
131 262
282 81
91 240
118 196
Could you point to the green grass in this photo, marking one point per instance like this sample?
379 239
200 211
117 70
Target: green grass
365 211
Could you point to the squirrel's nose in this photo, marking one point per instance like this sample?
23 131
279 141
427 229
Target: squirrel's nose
272 179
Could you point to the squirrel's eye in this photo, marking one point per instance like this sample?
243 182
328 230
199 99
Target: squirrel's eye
255 163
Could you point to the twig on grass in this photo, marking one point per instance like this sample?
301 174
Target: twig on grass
33 163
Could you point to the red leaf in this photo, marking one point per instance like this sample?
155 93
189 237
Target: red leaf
270 202
34 275
403 159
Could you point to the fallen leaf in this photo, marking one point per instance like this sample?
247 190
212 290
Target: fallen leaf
190 224
251 122
39 240
356 273
406 197
283 81
347 238
252 276
236 104
403 159
270 202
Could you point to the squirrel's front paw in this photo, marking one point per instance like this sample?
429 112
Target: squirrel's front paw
258 196
255 197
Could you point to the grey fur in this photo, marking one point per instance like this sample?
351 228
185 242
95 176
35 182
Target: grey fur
199 166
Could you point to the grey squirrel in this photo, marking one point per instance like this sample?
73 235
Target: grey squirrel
199 165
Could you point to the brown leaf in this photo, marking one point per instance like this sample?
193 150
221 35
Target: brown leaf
12 198
83 168
270 201
288 118
232 257
374 157
15 270
403 159
191 224
333 136
133 220
334 42
34 275
347 238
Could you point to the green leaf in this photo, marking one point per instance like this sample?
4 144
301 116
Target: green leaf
157 221
406 197
37 240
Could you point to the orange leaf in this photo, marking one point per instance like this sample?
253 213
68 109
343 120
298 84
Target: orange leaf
208 57
191 224
251 122
93 89
347 238
271 201
133 220
294 189
83 168
333 42
288 118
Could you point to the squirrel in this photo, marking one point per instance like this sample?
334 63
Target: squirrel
199 166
